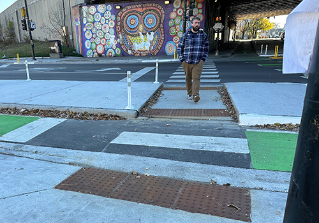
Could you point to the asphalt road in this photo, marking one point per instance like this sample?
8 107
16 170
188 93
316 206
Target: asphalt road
244 66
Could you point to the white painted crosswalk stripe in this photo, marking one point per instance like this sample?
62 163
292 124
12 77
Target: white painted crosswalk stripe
204 72
138 74
31 130
204 143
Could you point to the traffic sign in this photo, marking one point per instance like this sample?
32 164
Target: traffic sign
218 26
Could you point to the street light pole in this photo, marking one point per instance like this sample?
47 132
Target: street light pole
303 196
28 28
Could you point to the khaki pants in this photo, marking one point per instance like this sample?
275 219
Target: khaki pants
193 72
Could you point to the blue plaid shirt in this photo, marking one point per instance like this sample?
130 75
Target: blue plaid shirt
193 47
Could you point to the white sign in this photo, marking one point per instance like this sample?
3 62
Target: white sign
32 25
300 34
218 26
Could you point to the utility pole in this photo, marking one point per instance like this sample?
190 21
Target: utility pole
184 20
28 28
303 196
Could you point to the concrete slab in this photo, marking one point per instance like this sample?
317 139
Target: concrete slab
267 103
238 177
22 176
177 99
65 206
267 206
92 96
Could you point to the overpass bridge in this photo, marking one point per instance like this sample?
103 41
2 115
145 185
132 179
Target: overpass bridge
231 11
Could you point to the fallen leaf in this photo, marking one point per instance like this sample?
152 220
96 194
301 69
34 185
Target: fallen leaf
134 172
147 174
168 125
278 213
213 182
228 184
146 168
233 206
138 177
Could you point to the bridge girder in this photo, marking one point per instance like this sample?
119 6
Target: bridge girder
249 9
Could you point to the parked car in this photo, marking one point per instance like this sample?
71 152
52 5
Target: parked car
282 36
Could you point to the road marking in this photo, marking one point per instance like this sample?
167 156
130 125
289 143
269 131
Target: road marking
5 65
204 143
31 130
210 72
202 76
138 74
106 69
261 65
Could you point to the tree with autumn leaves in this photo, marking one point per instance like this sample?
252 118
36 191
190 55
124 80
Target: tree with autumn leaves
252 26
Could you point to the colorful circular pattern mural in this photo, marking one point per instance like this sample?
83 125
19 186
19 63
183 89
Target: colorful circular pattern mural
176 21
99 32
170 48
140 28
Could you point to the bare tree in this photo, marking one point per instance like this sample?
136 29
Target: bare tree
56 23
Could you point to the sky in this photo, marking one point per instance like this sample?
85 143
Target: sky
5 4
279 19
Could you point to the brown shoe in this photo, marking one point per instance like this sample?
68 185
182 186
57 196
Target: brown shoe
196 98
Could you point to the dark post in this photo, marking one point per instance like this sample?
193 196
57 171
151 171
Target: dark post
28 27
303 196
184 20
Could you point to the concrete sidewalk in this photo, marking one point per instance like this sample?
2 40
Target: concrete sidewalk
267 103
32 172
79 96
256 103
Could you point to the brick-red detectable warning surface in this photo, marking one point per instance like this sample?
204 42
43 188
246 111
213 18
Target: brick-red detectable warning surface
186 113
223 201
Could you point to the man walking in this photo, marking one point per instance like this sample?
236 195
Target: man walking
193 50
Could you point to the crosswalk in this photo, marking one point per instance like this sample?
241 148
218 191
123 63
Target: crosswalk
209 74
221 151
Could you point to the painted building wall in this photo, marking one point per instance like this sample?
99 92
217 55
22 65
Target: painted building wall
136 29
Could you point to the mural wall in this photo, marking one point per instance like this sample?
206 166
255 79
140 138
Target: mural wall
136 29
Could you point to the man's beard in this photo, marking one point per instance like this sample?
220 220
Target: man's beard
196 28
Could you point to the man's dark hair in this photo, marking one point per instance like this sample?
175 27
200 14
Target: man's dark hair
195 18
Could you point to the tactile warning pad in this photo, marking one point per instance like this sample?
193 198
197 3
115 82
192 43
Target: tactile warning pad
223 201
186 113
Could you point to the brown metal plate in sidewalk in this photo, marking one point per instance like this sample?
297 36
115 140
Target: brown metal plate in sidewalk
186 113
149 190
93 181
223 201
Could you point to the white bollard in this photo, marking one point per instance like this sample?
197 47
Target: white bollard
266 50
156 73
262 47
129 91
27 69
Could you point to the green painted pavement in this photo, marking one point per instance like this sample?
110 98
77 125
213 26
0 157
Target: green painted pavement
9 123
271 150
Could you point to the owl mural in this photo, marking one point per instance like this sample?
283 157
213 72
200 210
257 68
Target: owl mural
140 29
